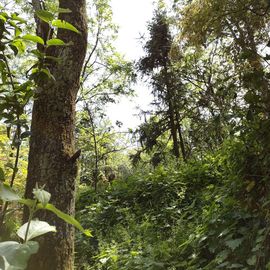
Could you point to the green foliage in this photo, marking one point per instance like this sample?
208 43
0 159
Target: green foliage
35 229
140 195
106 73
198 216
7 194
15 92
64 25
137 215
66 218
35 39
102 149
211 94
167 90
14 255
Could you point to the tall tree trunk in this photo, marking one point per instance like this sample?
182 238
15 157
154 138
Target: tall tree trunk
96 168
173 130
182 144
171 108
52 143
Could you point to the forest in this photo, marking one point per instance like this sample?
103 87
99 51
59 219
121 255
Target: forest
187 189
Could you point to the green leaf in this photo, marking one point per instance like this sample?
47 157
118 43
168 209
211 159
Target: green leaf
64 10
38 54
47 72
15 255
7 193
44 71
19 44
2 18
250 186
42 196
55 42
64 25
69 219
18 31
44 15
14 49
15 17
28 202
36 229
252 260
33 38
233 244
236 265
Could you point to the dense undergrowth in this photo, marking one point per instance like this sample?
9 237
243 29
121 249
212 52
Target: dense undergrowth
205 214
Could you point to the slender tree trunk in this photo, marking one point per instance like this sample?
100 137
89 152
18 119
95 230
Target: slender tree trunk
171 108
182 144
173 131
96 168
52 143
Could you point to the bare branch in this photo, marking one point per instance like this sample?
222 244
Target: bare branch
91 53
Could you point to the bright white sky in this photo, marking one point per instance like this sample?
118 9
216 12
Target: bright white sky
132 17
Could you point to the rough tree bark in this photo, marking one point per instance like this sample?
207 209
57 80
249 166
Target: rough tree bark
52 143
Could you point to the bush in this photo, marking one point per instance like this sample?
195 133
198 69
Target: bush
200 215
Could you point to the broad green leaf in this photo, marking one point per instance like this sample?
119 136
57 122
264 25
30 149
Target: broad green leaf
7 193
33 38
69 219
44 15
42 196
36 229
55 42
64 25
15 255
